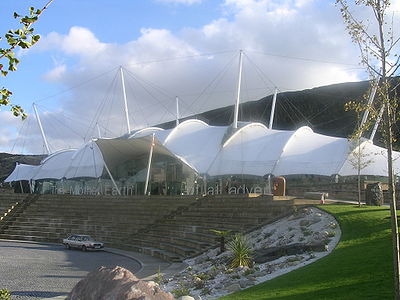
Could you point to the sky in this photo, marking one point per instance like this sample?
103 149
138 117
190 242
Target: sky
167 48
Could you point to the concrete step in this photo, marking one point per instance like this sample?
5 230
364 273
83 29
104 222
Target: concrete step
181 251
176 240
201 225
29 238
201 237
214 219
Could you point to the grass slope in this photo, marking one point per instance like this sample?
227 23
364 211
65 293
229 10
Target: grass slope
360 267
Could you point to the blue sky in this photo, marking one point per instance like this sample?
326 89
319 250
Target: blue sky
168 48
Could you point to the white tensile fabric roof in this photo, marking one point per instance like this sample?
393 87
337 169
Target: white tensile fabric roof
253 149
22 172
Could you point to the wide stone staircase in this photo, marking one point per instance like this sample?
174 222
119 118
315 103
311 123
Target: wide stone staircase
172 228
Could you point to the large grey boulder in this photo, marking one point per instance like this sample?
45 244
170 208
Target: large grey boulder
374 194
116 284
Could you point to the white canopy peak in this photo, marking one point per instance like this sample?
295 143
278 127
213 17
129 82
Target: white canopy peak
184 124
246 127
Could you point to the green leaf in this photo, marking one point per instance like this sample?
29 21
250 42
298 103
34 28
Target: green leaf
35 38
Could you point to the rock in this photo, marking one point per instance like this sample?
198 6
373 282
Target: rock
243 269
199 260
244 283
186 298
304 223
233 288
307 211
374 194
116 283
218 286
272 253
252 278
315 220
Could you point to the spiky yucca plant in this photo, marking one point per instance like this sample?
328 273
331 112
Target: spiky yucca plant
241 252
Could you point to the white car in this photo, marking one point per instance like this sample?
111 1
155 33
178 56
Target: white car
83 242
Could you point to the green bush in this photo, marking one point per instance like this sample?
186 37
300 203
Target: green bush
241 252
5 294
182 291
159 278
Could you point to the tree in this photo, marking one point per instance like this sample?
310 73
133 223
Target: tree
222 235
359 158
21 38
377 44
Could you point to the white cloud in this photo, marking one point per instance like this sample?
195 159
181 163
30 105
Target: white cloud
395 6
273 32
8 130
57 73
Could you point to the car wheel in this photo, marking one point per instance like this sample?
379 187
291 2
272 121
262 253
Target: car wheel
84 248
68 246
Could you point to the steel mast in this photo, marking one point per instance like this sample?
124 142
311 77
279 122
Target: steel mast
41 129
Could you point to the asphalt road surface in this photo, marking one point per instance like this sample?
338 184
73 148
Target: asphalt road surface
38 271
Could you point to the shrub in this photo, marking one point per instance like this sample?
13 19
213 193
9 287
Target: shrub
182 291
205 291
331 234
159 278
248 272
5 294
203 276
241 252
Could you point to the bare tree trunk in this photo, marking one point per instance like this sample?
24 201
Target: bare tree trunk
393 211
359 172
389 141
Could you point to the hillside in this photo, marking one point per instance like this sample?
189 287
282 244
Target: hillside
320 108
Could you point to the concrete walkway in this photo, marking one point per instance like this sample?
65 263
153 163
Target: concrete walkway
150 265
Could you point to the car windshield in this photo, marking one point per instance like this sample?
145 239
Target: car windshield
87 238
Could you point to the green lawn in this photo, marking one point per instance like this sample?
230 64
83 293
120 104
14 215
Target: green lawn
359 268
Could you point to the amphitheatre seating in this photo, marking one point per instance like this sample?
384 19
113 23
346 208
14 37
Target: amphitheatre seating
172 228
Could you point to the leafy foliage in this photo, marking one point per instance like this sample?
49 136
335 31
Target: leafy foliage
159 278
241 252
5 294
182 291
22 38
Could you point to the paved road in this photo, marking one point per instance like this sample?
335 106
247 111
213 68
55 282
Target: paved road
37 271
